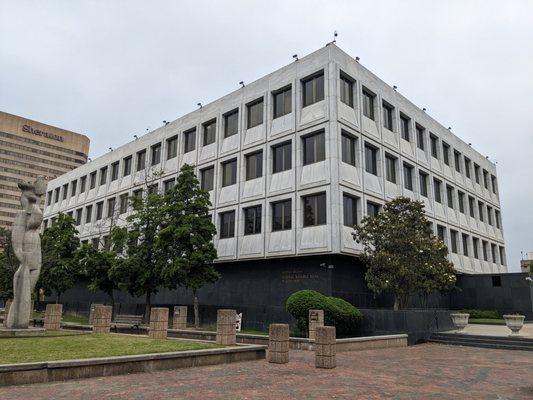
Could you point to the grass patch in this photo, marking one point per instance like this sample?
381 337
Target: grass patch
72 346
486 321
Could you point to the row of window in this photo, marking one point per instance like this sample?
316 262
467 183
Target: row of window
371 160
314 213
460 162
313 91
313 151
471 246
313 148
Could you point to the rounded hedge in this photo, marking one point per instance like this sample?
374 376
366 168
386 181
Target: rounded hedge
337 312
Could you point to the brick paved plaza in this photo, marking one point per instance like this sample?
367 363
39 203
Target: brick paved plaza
428 371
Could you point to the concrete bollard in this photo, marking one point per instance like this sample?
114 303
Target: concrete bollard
226 333
6 309
91 312
158 323
325 347
278 343
316 319
52 317
102 318
179 320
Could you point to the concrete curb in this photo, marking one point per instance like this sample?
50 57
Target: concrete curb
50 371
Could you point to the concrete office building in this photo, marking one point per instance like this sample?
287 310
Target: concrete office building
292 161
29 149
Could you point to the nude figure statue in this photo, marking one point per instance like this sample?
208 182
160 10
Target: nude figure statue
25 236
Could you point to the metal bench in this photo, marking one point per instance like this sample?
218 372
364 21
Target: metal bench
39 319
134 321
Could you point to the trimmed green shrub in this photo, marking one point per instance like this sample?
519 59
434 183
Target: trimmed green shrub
483 314
337 312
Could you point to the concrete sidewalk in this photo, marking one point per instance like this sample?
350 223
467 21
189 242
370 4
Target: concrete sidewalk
494 330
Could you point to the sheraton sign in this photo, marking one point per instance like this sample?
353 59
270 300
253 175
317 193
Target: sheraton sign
29 129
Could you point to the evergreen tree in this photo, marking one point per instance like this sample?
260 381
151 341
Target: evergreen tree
97 264
402 255
186 237
139 271
59 243
8 265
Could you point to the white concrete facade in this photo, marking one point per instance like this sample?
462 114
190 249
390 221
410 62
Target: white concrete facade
331 176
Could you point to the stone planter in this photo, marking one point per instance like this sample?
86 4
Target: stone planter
460 320
514 322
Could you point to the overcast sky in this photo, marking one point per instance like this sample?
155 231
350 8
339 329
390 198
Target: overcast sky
111 69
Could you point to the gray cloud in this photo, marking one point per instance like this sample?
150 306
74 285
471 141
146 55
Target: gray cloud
111 69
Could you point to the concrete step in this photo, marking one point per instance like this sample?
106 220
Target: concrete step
482 345
485 339
494 342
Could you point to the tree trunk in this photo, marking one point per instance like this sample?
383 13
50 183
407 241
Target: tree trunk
196 313
396 303
147 309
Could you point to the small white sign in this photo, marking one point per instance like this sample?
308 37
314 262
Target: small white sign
238 323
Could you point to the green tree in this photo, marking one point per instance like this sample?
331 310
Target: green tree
59 243
97 263
186 237
139 271
403 257
8 265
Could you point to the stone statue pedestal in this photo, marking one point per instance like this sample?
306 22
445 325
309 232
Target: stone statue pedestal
28 332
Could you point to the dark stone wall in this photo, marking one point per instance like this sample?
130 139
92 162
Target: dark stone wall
260 288
418 324
505 293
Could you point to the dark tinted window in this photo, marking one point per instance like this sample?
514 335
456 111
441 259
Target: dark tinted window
368 104
349 204
281 215
207 177
254 165
313 89
114 171
420 137
229 173
252 220
371 159
155 156
103 175
390 168
172 147
209 132
408 176
387 116
346 90
282 102
348 149
314 148
255 113
189 140
231 123
141 160
127 166
282 157
314 209
227 224
404 127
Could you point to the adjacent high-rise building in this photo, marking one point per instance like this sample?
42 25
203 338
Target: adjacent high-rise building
292 162
29 149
